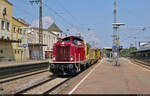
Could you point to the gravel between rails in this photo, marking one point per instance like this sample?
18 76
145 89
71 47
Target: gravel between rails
15 85
46 86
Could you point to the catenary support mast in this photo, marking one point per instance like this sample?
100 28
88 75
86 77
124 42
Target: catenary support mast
40 27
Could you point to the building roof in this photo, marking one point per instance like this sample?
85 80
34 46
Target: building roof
141 50
107 48
20 21
54 27
8 2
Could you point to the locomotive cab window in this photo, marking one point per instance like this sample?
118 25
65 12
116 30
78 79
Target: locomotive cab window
77 41
66 39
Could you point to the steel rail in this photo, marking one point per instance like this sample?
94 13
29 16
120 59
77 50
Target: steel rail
35 85
141 63
50 90
56 86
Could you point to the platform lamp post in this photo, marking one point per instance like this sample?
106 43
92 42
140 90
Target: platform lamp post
117 42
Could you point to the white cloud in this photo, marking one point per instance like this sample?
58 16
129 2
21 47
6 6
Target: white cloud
47 21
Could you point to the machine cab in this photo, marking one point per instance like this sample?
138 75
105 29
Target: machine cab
69 49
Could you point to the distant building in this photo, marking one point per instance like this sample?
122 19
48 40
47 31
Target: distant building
49 39
56 30
144 45
144 50
107 51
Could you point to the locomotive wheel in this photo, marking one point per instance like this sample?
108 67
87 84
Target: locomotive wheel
86 65
83 67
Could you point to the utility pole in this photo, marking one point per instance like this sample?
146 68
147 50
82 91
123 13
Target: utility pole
135 41
116 43
114 28
40 27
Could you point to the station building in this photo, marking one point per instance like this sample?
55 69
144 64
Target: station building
15 33
50 36
49 39
12 34
33 43
55 30
6 50
19 33
143 51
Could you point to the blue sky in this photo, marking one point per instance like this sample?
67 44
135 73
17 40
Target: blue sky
94 14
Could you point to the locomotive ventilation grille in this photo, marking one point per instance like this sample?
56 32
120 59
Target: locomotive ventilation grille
62 53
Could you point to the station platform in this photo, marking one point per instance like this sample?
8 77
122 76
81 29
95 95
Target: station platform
13 63
105 78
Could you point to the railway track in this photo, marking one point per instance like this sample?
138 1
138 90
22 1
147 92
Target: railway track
41 84
21 76
141 63
24 90
49 86
45 86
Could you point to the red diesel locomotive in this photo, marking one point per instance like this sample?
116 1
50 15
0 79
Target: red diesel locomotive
69 56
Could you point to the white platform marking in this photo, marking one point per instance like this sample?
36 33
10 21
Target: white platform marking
83 79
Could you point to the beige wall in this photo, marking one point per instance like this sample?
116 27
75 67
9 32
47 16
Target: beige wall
18 50
6 51
7 17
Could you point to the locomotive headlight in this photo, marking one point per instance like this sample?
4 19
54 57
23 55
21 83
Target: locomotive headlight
71 58
70 66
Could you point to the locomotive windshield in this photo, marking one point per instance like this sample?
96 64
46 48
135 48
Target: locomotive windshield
66 39
76 41
72 39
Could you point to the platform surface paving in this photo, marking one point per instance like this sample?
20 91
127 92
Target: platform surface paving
13 63
128 78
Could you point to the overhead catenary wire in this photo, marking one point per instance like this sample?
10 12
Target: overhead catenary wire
58 15
58 2
33 16
71 25
28 15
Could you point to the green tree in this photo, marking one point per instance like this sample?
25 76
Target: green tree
127 52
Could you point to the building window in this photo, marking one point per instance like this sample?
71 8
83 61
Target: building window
14 29
19 42
2 25
1 51
7 26
19 31
24 32
15 51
